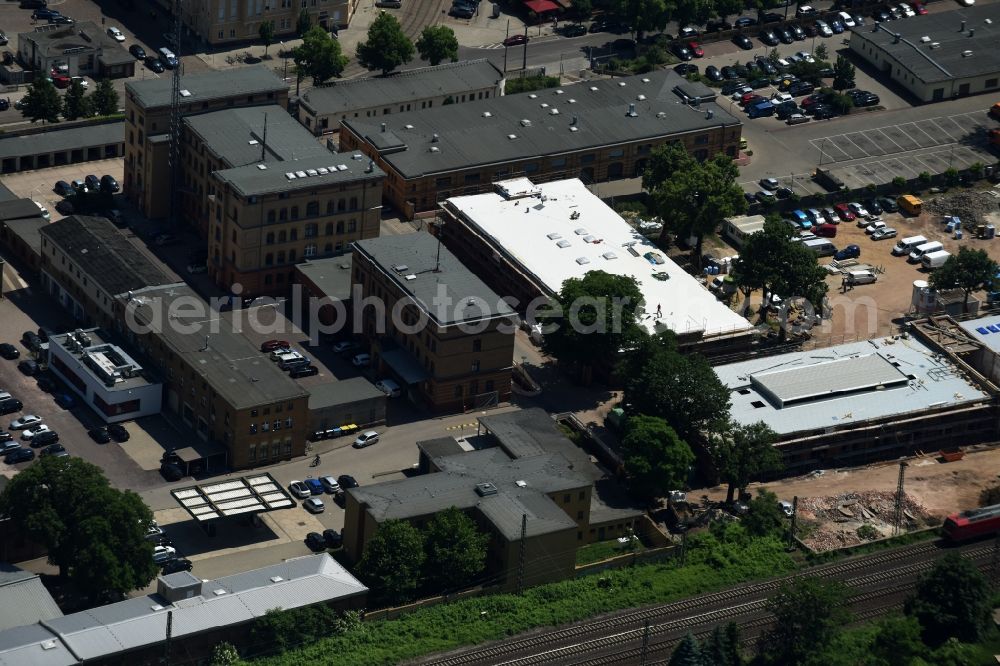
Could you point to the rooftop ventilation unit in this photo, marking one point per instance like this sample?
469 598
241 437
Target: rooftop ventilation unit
935 45
645 80
621 84
966 54
253 142
487 114
341 167
572 101
290 176
560 91
544 105
511 136
589 239
709 114
357 156
580 232
925 39
185 93
486 489
400 268
533 96
609 255
661 114
553 236
276 579
582 261
408 126
641 98
262 167
312 173
962 29
896 37
323 171
520 483
553 112
972 32
574 129
383 126
563 244
525 122
409 277
435 149
300 174
435 137
593 88
631 113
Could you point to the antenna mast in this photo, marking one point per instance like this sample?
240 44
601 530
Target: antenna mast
175 119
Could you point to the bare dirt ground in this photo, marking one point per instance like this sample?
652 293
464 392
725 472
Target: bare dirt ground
940 488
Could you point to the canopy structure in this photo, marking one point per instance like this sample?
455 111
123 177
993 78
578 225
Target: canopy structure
249 494
541 6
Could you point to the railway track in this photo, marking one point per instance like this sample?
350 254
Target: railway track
871 574
417 15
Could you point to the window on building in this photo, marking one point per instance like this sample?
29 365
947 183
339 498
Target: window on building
352 226
252 452
328 229
269 259
328 248
558 162
269 239
341 205
293 235
340 227
277 424
310 250
475 366
291 256
295 212
312 229
531 167
312 209
588 158
477 345
282 237
270 216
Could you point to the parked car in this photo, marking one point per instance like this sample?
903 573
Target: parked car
314 505
9 406
347 482
361 360
55 449
682 52
273 345
696 50
769 183
171 471
299 489
29 434
118 432
154 64
26 421
8 445
367 438
177 565
162 554
744 22
686 68
315 486
712 73
116 34
798 33
99 435
303 371
330 484
805 11
515 40
9 351
63 189
109 184
43 438
19 455
333 538
823 29
742 41
28 367
65 400
315 542
137 52
858 209
768 37
849 252
884 233
574 30
875 226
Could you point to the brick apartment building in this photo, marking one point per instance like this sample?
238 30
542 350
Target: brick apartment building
594 130
454 344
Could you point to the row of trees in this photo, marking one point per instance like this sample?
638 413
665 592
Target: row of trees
387 47
449 553
948 612
42 101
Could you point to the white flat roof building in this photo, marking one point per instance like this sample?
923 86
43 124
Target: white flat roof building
554 231
846 385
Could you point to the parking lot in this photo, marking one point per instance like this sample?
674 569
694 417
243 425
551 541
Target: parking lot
37 185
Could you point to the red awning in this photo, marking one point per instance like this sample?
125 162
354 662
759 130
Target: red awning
541 6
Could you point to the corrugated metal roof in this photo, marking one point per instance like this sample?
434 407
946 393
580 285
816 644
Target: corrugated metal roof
33 645
825 380
23 598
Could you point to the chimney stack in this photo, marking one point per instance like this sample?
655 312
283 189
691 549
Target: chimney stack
962 29
383 127
631 111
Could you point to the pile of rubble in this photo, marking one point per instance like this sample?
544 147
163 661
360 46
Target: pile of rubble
969 205
833 522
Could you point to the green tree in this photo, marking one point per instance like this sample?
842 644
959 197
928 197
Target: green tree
841 103
75 103
843 73
94 533
681 388
582 9
224 654
952 600
456 550
593 317
319 56
695 199
950 176
664 161
744 453
693 12
765 517
821 52
387 46
897 642
809 614
42 102
642 15
969 270
656 459
266 33
724 8
687 653
104 99
392 561
722 648
438 43
304 22
285 629
899 183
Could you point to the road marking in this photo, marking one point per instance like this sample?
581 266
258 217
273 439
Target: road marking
934 142
935 121
900 163
901 149
867 154
461 426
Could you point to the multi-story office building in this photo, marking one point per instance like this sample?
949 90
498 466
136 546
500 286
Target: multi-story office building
442 334
594 130
322 108
220 22
147 126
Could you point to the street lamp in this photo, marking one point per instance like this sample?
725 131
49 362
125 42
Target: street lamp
821 145
284 56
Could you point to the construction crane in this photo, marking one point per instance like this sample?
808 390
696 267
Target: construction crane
174 160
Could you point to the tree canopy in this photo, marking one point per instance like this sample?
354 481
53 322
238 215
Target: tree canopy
392 561
266 33
642 15
764 517
94 533
438 43
969 270
387 46
687 653
697 196
952 600
319 56
304 22
681 388
456 550
592 318
75 103
808 614
104 99
41 102
656 459
843 73
744 453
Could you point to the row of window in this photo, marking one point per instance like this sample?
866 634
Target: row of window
266 426
312 209
276 449
310 231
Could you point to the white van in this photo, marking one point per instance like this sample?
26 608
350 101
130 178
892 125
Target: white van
861 277
932 260
907 245
821 246
286 357
921 250
389 387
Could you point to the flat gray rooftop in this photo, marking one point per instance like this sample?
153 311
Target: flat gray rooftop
332 276
233 367
342 392
97 338
850 384
206 86
401 87
238 135
985 329
306 173
478 133
55 140
437 281
940 57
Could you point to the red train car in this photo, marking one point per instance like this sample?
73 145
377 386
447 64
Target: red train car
973 523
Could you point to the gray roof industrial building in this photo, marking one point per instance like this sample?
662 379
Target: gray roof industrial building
936 56
206 86
587 115
197 607
378 95
23 598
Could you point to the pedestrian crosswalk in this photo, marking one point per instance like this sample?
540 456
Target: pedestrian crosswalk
486 47
462 426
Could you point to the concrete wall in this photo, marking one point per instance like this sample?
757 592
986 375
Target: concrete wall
363 413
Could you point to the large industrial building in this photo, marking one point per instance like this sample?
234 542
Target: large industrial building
936 56
526 239
864 401
521 474
322 108
593 130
